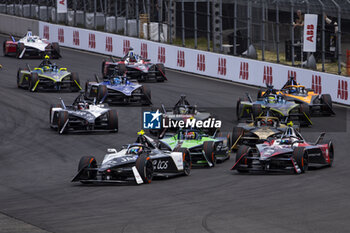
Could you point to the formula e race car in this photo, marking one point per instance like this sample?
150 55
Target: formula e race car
278 107
292 91
289 152
138 162
262 128
118 90
181 111
204 150
82 115
135 67
31 46
47 76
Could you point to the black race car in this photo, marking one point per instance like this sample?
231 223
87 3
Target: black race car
134 163
82 115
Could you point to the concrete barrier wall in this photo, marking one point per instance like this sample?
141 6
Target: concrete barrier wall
17 26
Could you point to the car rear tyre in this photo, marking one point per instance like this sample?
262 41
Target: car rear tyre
53 120
61 121
87 162
327 106
32 81
301 158
256 110
75 82
209 149
102 92
241 155
112 117
145 168
56 50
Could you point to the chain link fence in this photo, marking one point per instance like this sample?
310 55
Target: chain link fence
268 30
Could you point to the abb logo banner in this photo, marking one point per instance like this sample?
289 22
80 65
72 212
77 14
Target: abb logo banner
268 79
76 40
310 30
46 32
60 35
92 41
161 54
109 44
316 84
293 74
144 53
201 62
180 58
342 90
222 66
126 46
244 71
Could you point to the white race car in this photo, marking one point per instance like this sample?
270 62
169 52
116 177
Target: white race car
31 46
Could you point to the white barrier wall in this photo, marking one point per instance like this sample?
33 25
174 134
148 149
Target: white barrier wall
220 66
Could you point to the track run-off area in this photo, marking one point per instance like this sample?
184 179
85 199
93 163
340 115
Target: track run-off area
37 165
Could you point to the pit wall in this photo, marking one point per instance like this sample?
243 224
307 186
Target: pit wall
220 66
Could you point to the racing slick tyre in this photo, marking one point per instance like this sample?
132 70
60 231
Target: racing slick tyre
75 82
237 133
4 49
147 99
242 153
186 158
301 158
32 82
61 122
53 119
56 52
145 168
305 115
160 77
326 100
256 110
19 49
102 93
112 118
18 77
209 149
104 74
87 162
238 109
121 69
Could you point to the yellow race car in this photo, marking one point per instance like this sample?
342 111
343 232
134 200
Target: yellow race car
292 91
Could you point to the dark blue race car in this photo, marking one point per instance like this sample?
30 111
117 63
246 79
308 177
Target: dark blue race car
118 90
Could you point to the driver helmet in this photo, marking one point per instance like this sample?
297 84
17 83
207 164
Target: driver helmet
135 150
271 99
83 106
190 135
183 110
292 90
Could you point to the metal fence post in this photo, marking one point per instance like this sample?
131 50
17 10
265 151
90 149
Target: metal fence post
84 14
159 9
195 23
235 29
220 16
137 19
263 30
116 15
277 31
208 25
56 13
95 21
183 22
38 9
149 18
47 11
171 21
338 37
292 30
323 36
105 14
248 23
126 31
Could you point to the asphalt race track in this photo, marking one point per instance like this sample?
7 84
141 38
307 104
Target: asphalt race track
37 165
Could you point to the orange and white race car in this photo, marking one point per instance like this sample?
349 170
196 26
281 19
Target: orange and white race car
319 104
